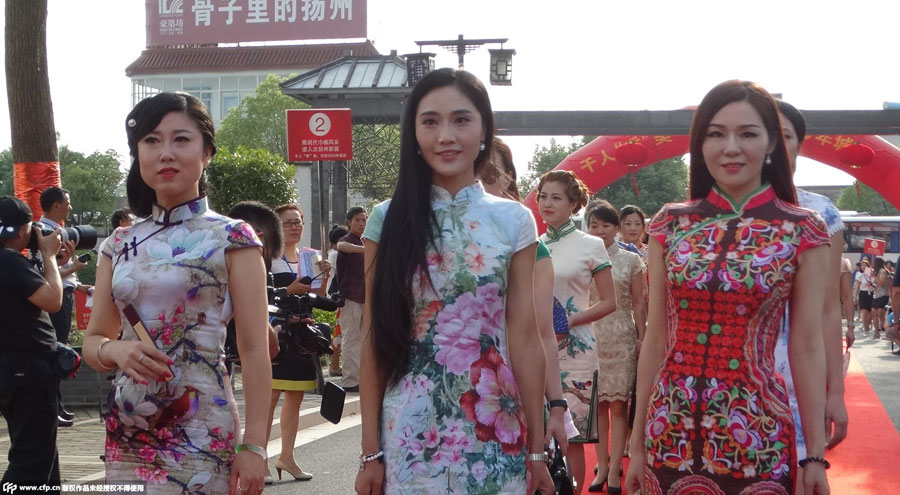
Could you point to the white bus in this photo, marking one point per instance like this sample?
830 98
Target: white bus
859 228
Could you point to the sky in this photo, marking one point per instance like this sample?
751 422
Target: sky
571 55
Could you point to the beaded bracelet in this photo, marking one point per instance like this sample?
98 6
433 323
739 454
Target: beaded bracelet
367 458
820 460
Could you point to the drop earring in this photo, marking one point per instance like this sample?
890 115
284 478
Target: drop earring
768 159
419 152
482 146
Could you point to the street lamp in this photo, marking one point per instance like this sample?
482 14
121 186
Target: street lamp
501 66
417 66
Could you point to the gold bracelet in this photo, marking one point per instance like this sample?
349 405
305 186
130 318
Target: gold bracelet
100 361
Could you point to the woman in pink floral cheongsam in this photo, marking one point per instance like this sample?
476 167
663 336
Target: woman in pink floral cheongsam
713 414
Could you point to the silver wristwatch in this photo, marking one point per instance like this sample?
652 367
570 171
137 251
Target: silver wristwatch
542 457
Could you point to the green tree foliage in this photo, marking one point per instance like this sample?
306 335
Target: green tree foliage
868 201
6 173
660 183
249 174
545 159
376 160
92 181
663 182
259 121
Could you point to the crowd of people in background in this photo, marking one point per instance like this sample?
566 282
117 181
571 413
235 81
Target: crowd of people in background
700 342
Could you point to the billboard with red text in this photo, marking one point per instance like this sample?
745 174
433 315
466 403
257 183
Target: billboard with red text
188 22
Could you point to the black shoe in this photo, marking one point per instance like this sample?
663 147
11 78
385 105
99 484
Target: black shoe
63 422
613 490
66 415
354 388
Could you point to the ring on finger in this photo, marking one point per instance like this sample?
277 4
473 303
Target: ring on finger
141 359
243 488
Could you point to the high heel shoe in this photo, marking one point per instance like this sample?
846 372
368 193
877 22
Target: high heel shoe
598 487
298 476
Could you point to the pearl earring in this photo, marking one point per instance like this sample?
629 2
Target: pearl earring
768 159
482 146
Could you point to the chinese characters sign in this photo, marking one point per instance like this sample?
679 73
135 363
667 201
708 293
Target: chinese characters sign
319 134
185 22
874 246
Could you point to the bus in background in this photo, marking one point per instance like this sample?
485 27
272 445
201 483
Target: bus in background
858 228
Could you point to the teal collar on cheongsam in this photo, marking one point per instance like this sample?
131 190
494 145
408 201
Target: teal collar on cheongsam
441 198
179 213
762 194
565 229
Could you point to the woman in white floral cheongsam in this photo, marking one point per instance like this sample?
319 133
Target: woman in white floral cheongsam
172 420
450 381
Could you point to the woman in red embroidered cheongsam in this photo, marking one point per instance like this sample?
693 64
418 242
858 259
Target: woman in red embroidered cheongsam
723 266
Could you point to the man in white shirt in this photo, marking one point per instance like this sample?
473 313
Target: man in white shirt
56 205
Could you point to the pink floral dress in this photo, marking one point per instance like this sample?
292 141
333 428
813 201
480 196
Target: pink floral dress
454 423
179 436
719 422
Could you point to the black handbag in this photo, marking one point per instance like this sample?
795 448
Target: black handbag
559 472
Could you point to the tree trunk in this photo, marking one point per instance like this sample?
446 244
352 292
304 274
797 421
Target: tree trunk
30 110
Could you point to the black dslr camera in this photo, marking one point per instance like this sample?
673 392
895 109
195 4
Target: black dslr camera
84 236
292 312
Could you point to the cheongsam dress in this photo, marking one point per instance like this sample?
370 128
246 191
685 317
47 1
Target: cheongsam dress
832 216
616 333
577 256
719 422
176 436
454 422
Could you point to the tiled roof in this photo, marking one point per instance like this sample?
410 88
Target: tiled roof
244 58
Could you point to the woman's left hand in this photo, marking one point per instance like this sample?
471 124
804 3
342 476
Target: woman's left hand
539 480
248 473
814 480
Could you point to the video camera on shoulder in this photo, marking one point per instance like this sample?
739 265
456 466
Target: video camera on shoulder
293 312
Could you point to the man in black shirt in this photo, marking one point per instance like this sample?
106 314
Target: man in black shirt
28 386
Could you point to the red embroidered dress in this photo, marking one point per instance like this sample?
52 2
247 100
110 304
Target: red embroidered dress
719 421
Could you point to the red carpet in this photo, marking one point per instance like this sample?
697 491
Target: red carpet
867 462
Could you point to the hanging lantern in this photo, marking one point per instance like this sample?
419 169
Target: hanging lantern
501 66
856 155
417 66
632 155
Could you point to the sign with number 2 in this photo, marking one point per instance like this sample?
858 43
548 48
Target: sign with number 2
319 134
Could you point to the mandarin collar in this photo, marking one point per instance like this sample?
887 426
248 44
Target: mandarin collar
719 198
613 248
441 198
179 213
565 229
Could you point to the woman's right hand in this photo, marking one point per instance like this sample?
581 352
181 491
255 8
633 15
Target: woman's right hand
635 474
370 481
144 363
297 288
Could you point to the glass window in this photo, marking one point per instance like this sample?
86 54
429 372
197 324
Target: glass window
210 83
248 82
192 84
229 82
155 83
172 84
230 99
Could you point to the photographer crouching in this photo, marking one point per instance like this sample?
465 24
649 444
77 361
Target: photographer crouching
28 384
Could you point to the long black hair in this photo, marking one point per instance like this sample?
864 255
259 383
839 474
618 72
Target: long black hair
142 119
410 223
779 173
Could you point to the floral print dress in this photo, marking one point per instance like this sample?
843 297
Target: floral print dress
832 216
454 422
177 436
577 256
719 422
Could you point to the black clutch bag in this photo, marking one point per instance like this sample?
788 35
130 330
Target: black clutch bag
332 407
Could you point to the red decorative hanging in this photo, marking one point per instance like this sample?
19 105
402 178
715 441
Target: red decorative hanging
858 189
637 192
856 155
632 154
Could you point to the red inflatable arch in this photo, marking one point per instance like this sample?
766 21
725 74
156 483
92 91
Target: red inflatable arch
598 164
